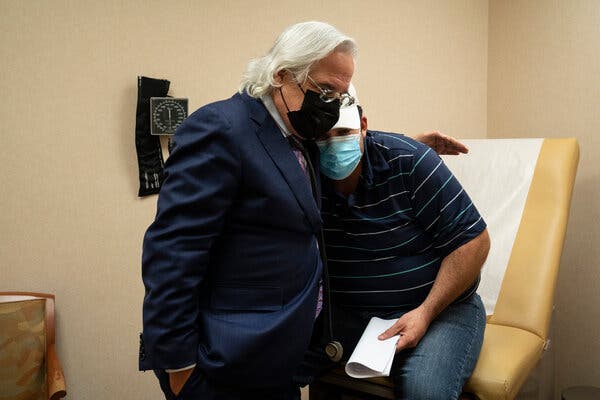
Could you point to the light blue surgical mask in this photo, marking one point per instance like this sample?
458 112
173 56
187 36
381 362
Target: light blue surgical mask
340 155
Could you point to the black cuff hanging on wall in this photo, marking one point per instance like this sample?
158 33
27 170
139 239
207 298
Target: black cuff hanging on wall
149 151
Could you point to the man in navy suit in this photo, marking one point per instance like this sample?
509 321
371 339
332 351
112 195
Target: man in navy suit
231 264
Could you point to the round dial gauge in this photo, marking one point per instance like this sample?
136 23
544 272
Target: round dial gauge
166 114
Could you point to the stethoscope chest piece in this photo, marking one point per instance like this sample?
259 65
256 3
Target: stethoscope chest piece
334 351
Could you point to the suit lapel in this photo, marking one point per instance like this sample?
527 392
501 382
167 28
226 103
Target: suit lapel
282 155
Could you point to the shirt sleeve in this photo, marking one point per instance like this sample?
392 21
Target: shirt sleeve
170 371
440 204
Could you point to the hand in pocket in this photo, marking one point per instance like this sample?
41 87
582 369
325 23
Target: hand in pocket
178 379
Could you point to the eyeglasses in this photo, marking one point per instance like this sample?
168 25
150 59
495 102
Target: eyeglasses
328 95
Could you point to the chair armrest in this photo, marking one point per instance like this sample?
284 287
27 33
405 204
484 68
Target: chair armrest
54 376
507 357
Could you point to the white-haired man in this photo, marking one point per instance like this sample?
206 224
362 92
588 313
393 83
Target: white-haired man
231 264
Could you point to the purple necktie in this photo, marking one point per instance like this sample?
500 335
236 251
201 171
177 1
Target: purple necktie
296 146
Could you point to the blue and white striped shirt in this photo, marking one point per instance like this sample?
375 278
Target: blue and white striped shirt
385 242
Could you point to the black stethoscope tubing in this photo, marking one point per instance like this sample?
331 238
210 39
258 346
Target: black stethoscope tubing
333 349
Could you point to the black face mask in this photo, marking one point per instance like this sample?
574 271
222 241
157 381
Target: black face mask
315 117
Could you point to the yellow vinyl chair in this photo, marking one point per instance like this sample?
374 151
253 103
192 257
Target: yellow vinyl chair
517 331
29 366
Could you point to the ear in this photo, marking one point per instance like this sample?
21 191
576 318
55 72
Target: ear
279 77
363 125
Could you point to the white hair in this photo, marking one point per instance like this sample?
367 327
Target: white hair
296 50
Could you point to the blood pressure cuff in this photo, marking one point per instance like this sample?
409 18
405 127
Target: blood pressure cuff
149 152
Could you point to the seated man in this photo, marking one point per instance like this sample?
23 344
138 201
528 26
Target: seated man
403 240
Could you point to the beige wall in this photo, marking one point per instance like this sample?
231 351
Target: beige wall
70 220
544 80
71 223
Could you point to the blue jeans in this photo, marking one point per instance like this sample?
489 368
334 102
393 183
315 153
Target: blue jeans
440 364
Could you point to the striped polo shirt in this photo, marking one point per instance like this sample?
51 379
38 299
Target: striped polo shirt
385 242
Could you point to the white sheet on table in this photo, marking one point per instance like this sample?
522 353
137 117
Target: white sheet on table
497 173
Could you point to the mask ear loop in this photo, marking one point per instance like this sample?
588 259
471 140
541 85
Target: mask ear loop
283 98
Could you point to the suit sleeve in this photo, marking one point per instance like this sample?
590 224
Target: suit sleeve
202 177
440 203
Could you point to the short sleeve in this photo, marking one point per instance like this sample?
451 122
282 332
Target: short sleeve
440 204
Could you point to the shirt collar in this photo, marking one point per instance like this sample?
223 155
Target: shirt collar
374 162
270 105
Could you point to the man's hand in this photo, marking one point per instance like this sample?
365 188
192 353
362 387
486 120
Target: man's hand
411 327
441 144
459 269
178 379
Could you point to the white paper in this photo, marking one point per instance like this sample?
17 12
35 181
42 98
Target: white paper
373 357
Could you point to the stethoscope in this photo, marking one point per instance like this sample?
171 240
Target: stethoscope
333 349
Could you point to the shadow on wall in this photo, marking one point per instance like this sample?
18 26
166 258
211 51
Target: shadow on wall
126 153
577 312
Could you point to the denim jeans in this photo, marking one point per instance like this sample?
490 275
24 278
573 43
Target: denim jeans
437 368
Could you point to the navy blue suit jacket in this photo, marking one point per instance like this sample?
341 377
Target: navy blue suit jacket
231 264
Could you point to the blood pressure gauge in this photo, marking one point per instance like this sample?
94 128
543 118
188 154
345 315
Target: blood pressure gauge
166 114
